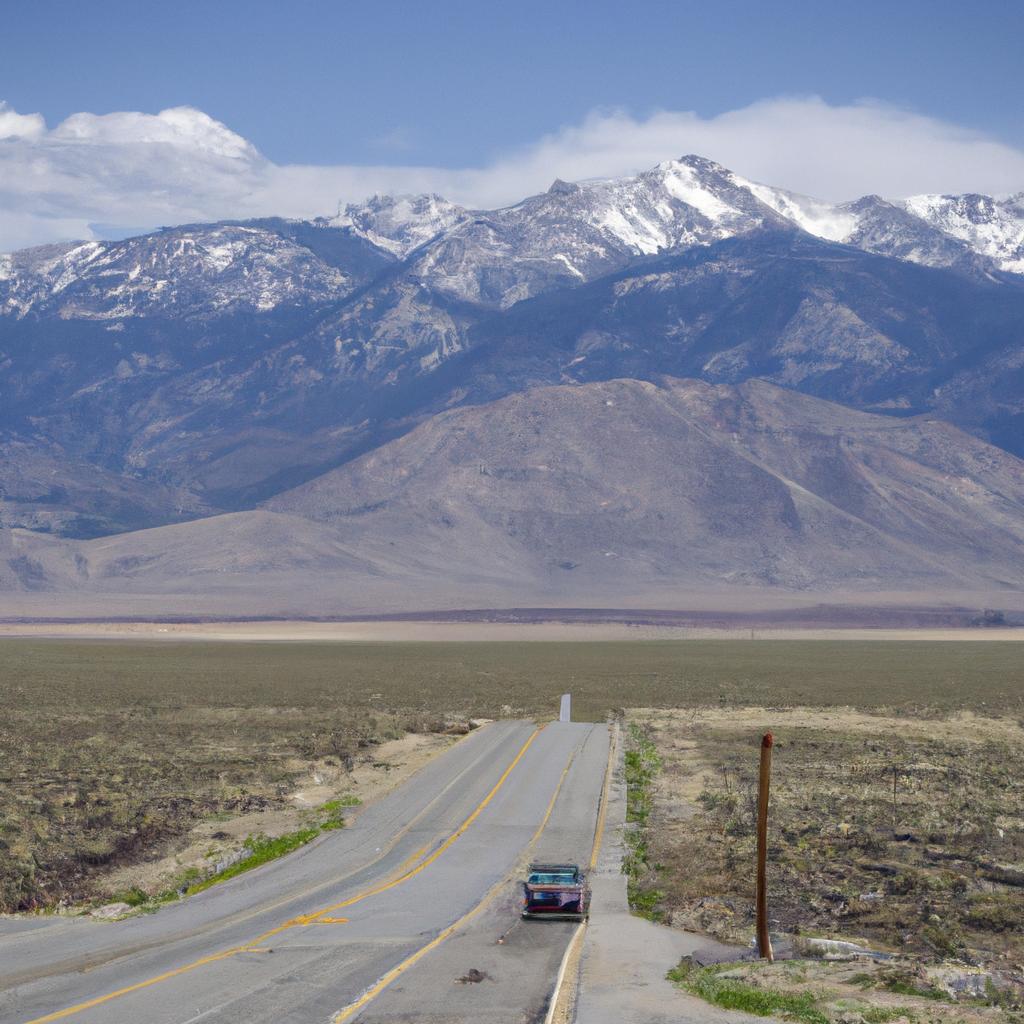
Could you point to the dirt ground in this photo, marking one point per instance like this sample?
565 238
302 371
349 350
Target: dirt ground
211 841
117 778
905 832
856 991
112 750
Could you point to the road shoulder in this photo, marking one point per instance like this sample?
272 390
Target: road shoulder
624 958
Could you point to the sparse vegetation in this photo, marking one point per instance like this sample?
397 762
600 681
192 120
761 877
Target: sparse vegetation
820 992
905 834
111 751
732 994
641 764
261 850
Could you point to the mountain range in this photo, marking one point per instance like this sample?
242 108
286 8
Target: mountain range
725 384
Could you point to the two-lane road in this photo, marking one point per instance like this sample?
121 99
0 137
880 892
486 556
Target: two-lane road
377 922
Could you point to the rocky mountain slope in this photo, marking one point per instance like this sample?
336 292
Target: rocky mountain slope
229 409
576 493
685 480
215 368
860 329
572 233
207 270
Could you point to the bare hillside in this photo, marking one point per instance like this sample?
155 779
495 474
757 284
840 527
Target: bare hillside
614 494
683 481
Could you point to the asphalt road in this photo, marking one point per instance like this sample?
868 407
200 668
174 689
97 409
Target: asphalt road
391 919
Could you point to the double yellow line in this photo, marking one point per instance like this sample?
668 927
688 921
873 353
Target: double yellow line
375 990
319 917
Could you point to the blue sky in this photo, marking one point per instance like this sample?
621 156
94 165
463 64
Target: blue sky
456 84
117 116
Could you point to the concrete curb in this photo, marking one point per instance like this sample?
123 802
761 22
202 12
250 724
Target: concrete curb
624 958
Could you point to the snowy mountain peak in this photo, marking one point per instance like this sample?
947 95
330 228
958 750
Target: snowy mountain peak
990 227
400 223
191 270
572 233
835 223
577 231
698 163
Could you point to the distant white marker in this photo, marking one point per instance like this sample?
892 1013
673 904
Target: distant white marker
565 714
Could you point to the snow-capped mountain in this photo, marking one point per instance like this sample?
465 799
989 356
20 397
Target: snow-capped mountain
992 228
935 231
222 363
590 227
566 236
575 232
208 369
210 269
399 224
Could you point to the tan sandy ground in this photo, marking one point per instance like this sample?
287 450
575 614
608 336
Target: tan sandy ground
685 787
847 991
392 763
387 632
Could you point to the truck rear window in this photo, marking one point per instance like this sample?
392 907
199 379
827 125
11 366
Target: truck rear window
552 878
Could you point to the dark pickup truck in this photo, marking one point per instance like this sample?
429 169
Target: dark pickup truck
556 891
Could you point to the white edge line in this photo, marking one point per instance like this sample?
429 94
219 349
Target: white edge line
562 968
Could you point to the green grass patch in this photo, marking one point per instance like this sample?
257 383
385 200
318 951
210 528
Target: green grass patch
733 994
332 813
262 850
642 764
134 897
901 987
885 1014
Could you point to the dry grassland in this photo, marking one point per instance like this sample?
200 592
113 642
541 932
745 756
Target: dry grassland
902 832
114 753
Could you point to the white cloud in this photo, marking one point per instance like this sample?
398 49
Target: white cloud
22 230
19 126
181 165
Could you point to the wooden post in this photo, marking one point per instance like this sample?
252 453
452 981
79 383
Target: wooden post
764 942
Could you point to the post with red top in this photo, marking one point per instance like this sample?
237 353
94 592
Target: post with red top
764 942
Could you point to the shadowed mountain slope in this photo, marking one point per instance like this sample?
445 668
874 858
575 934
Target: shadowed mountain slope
581 493
427 404
229 411
686 481
825 319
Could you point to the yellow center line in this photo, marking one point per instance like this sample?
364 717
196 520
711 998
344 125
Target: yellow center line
318 916
382 852
399 969
602 813
414 856
427 861
99 1000
554 797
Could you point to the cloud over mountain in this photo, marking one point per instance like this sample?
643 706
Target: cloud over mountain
181 165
